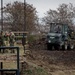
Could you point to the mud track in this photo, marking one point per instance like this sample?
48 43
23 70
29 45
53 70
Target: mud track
54 62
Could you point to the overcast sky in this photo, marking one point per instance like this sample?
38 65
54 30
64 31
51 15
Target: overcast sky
42 6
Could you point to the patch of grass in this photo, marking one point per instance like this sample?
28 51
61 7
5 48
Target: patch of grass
10 65
40 71
35 71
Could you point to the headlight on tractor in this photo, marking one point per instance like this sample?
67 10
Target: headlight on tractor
49 41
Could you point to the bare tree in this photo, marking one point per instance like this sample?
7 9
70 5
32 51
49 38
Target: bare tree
65 13
15 14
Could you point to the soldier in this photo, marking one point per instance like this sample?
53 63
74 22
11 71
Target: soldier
12 40
2 40
6 38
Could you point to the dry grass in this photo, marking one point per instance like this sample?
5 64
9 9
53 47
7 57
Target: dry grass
11 64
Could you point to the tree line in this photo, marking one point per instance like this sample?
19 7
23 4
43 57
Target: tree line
14 14
65 13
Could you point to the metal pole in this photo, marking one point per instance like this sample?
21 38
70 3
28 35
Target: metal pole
24 15
1 68
2 15
2 28
24 38
18 73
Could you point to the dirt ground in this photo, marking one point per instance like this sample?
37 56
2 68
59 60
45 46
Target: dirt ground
47 62
54 62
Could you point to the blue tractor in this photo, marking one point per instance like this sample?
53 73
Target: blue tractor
60 37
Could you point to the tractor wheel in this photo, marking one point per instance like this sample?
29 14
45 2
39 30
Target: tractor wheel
56 47
49 47
68 48
63 47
